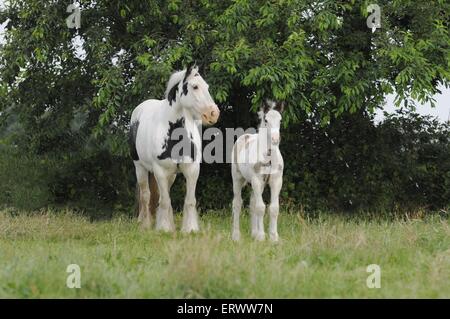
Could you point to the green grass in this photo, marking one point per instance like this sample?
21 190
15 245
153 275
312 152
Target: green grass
324 257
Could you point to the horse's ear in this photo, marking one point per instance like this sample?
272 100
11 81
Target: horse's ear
189 69
261 114
200 68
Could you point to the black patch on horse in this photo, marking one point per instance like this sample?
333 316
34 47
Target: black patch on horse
132 140
187 146
185 88
172 95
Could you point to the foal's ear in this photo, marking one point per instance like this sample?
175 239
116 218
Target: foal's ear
279 106
266 106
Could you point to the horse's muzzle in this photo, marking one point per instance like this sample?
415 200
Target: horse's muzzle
211 116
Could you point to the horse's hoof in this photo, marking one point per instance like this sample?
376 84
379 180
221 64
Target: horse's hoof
146 225
166 228
144 222
188 230
236 236
274 238
260 236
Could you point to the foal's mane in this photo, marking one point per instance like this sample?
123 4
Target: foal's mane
262 122
265 107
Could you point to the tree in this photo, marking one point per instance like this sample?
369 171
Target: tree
72 90
319 56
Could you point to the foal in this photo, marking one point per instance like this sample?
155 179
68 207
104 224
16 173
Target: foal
257 160
165 140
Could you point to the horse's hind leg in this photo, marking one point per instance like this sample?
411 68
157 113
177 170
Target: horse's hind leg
144 195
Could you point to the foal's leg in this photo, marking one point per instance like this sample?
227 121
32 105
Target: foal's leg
258 207
275 183
253 217
163 220
144 195
238 183
190 216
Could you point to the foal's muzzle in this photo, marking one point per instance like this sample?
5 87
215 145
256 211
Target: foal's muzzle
275 138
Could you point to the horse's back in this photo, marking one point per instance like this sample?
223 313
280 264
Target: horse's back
143 108
245 143
142 126
243 154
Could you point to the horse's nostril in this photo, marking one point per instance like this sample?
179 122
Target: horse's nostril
212 113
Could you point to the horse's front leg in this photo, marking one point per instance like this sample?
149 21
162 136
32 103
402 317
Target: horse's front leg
190 216
164 216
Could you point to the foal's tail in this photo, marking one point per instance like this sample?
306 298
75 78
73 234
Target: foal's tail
154 195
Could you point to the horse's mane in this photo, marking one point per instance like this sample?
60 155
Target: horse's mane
174 79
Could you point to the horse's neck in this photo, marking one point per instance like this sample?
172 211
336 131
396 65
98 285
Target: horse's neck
262 137
176 112
266 150
263 144
190 122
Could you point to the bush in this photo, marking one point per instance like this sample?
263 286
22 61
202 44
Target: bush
24 180
352 165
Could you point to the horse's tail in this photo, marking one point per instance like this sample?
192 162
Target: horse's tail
154 194
132 134
132 140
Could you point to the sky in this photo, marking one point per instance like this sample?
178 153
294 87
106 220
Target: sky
441 110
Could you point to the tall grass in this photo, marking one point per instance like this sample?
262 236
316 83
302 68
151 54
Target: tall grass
324 256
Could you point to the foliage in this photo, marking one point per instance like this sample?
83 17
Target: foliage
320 57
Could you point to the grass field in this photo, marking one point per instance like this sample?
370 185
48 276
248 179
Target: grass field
321 257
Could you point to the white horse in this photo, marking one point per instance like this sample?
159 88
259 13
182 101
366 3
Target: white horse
165 139
257 160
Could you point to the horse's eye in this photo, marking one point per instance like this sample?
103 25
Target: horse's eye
195 87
